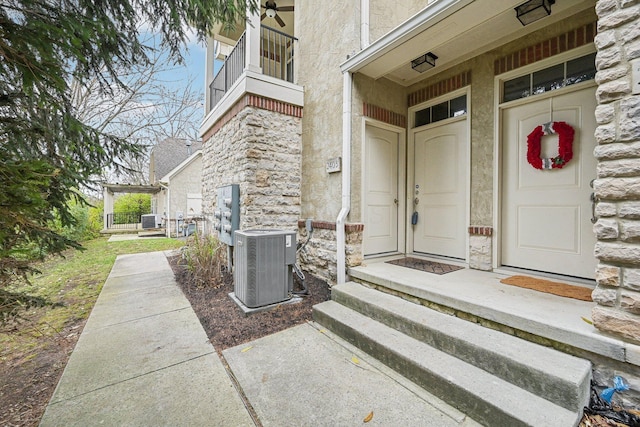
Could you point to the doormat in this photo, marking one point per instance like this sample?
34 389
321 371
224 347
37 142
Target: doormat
549 287
424 265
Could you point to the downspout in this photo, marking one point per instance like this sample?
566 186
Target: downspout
346 178
167 226
346 151
364 23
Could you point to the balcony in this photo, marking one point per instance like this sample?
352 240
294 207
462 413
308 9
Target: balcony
276 60
258 60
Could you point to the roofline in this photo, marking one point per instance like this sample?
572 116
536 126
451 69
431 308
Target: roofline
430 15
165 179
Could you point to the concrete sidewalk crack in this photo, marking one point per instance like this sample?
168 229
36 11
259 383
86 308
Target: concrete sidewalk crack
132 378
188 306
245 400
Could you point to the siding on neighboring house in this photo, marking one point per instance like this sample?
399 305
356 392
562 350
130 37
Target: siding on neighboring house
178 166
187 181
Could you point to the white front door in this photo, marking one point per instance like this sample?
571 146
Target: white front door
380 191
439 189
546 214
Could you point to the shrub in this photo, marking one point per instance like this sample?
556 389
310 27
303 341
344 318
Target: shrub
205 258
135 203
86 224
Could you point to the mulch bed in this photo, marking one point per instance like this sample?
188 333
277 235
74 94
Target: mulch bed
224 322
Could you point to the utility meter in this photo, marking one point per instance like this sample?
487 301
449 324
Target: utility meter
227 213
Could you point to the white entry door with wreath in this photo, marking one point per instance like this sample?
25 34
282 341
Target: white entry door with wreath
546 213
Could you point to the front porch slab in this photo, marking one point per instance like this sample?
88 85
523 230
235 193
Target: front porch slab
479 296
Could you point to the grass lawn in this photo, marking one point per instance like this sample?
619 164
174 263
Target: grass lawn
34 349
72 283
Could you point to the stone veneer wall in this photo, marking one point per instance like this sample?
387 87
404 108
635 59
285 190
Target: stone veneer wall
617 186
258 146
480 252
318 256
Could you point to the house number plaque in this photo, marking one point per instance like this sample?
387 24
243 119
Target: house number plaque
334 165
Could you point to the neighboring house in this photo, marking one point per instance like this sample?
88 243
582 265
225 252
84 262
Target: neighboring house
176 167
441 158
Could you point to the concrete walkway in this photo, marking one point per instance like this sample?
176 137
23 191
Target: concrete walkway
143 359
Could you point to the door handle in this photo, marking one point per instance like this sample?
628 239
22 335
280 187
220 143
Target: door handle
594 200
395 201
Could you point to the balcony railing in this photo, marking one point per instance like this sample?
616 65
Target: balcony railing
231 70
276 60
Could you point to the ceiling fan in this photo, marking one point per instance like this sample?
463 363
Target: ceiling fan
271 10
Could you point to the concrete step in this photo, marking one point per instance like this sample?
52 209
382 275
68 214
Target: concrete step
495 378
556 376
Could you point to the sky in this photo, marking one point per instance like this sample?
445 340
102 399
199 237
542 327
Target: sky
195 63
194 66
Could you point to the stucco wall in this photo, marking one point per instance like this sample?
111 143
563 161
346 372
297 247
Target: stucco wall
385 15
325 40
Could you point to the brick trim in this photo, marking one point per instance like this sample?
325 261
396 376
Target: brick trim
249 100
437 89
480 231
330 225
545 49
384 115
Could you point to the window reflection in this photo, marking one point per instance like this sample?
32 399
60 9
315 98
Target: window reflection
581 69
551 78
445 110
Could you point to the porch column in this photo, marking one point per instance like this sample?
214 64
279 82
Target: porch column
208 77
252 43
107 208
617 187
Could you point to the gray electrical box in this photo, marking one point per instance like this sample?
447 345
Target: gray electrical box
227 212
264 262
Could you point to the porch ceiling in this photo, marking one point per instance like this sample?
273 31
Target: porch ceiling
230 36
454 30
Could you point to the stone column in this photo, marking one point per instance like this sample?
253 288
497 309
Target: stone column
617 187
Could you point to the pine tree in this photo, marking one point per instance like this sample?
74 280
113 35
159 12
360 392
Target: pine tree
46 152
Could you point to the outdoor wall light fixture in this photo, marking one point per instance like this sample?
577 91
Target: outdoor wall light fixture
270 12
533 10
424 62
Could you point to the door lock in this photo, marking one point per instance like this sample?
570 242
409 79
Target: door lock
416 201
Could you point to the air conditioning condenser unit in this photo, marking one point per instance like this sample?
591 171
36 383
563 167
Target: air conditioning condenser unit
264 262
150 221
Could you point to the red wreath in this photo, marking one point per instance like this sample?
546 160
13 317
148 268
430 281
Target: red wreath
565 145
